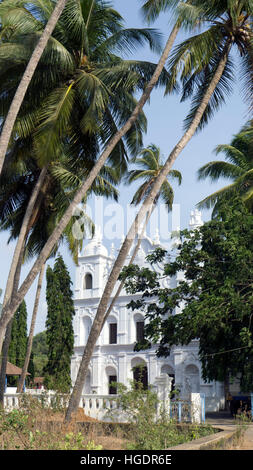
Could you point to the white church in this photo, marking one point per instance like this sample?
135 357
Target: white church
114 358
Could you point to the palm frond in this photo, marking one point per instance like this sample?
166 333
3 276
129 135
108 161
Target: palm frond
152 8
73 22
219 169
233 155
176 174
192 56
167 195
92 90
129 40
17 17
211 201
222 90
55 113
246 75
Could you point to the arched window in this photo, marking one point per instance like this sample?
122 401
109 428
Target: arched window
139 327
112 333
111 330
112 379
140 372
87 281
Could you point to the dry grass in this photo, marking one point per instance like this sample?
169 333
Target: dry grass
108 441
37 428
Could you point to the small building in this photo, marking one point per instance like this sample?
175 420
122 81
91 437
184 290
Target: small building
38 382
12 370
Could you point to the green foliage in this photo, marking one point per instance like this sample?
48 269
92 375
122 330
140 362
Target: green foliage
81 93
82 88
17 348
225 26
59 328
149 165
40 353
238 167
18 343
21 429
215 296
148 430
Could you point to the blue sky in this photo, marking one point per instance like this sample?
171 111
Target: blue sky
165 126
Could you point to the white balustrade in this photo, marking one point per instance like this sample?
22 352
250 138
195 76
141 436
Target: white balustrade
97 406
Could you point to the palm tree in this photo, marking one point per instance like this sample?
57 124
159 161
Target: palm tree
26 79
87 91
238 167
82 89
204 62
111 145
150 163
17 183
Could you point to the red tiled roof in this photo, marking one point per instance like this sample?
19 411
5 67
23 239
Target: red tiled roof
13 370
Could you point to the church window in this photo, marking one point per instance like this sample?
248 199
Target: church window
140 376
88 281
112 386
112 333
139 331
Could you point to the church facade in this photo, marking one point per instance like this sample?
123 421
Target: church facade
114 358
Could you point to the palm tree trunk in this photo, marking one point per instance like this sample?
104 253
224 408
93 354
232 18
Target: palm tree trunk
113 277
9 291
26 79
12 305
7 338
31 332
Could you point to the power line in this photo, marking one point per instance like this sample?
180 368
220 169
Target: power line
228 350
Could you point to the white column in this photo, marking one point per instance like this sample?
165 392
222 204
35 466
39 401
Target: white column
178 367
163 385
97 374
122 372
153 366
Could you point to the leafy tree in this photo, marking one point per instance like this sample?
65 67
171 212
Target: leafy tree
19 336
59 329
18 343
238 167
12 353
215 296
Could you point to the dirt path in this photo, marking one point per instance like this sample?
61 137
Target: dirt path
248 439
